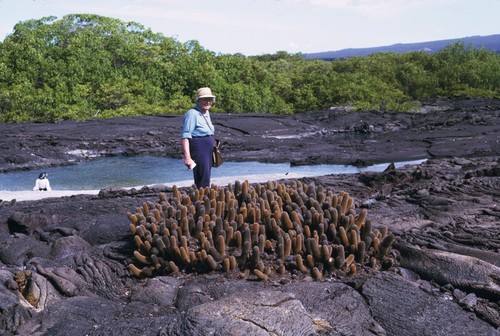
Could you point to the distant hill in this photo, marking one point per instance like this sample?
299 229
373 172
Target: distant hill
490 42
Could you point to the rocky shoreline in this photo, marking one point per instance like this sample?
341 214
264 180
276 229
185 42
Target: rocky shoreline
443 129
64 260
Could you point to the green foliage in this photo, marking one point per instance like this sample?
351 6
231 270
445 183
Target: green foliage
88 66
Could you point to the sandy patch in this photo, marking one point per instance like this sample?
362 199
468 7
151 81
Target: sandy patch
30 195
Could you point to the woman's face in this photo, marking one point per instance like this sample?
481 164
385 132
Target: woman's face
205 103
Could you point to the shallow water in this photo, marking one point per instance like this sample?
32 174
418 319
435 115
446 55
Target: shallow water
136 171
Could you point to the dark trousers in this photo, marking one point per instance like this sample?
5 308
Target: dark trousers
201 153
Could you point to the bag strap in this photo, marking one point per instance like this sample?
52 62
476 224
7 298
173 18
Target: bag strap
211 128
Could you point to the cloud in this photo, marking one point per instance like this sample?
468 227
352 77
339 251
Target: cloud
374 8
350 4
168 11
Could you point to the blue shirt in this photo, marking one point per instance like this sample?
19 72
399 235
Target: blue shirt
195 124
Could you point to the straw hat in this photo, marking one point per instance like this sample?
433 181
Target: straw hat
204 93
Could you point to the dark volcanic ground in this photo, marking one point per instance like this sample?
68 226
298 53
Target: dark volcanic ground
64 260
445 129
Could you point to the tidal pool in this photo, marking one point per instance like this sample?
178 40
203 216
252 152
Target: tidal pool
137 171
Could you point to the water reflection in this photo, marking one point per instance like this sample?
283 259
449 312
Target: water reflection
136 171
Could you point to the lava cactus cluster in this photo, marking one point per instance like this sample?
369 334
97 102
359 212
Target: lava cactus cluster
256 230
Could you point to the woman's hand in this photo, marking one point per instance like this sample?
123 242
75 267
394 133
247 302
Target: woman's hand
189 163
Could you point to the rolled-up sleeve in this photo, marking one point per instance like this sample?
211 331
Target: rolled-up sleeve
188 125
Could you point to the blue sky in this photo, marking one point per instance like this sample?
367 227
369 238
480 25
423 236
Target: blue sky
255 27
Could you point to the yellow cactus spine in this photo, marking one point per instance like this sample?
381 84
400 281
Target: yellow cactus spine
343 237
316 273
221 245
349 260
281 267
285 219
226 265
307 232
366 230
141 258
384 232
360 220
203 255
287 249
376 244
184 243
280 246
326 253
134 270
132 228
310 261
340 256
344 202
261 275
261 243
299 244
360 252
192 258
315 249
138 242
232 262
133 218
173 267
354 237
300 263
147 247
175 192
145 209
211 263
184 255
239 239
386 244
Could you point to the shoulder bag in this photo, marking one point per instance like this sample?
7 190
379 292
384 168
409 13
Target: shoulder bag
217 160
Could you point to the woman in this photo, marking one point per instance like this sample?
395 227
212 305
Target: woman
197 138
42 183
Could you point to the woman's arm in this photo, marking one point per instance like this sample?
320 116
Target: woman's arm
187 154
